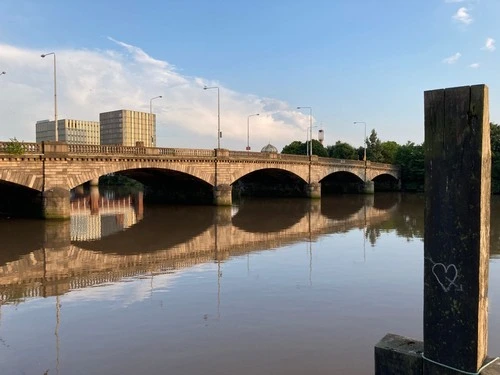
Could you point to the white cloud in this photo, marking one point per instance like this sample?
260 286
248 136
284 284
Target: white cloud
462 15
126 77
474 65
452 59
454 1
489 45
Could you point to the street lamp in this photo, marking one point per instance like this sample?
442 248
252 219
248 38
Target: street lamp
219 135
55 93
153 125
310 128
248 129
364 140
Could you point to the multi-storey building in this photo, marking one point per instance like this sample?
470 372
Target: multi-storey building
70 131
126 127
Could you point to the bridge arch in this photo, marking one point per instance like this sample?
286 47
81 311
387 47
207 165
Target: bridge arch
342 182
193 170
300 172
26 180
372 174
327 173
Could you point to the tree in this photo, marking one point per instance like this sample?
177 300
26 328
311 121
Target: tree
411 159
389 150
300 148
374 147
295 148
318 149
14 147
342 150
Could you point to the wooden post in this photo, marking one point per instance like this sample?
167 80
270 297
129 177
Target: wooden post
457 228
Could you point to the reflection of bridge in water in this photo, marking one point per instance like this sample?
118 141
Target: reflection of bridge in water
164 242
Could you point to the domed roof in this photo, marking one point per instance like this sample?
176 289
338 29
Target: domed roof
269 148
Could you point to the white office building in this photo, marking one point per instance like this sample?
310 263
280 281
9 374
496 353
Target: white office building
70 131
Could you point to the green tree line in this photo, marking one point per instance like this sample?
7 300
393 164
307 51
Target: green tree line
409 156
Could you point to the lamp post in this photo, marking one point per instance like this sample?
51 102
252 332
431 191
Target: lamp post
218 113
248 129
153 125
310 128
364 139
55 93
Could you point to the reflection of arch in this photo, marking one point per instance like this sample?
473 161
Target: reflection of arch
156 231
262 216
386 201
15 242
334 207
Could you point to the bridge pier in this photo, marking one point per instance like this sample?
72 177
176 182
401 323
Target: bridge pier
223 195
314 190
56 204
369 187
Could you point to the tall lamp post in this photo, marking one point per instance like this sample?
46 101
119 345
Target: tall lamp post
364 140
248 129
55 93
153 124
310 128
218 113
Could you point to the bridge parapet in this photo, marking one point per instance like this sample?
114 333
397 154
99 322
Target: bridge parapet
28 147
266 155
137 150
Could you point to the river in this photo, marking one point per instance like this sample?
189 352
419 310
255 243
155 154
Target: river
276 286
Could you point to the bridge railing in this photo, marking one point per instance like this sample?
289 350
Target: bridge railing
265 155
134 150
186 152
14 147
349 162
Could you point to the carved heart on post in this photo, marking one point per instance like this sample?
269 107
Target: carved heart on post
445 275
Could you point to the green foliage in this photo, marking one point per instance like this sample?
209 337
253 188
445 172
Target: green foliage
342 150
374 148
300 148
319 149
15 147
120 180
411 159
389 150
295 148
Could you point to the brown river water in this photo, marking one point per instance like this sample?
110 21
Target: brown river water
264 287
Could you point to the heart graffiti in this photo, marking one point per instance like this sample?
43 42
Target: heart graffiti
446 276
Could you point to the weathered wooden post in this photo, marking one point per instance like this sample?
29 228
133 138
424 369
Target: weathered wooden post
457 228
456 241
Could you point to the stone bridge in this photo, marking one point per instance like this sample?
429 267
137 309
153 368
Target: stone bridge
54 168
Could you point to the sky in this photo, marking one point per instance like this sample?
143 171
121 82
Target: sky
349 60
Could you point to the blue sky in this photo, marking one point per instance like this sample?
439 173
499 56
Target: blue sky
358 60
